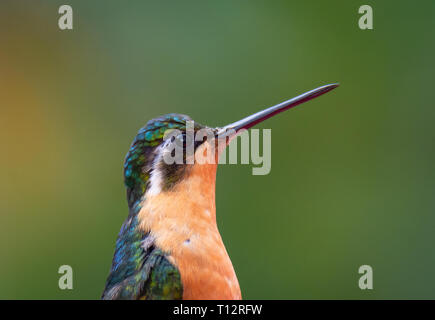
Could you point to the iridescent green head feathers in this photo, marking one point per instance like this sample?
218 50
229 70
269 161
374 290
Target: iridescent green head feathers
140 160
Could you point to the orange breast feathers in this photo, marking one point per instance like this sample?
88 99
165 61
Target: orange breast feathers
183 223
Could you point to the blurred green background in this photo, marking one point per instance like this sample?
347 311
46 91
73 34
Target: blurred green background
352 179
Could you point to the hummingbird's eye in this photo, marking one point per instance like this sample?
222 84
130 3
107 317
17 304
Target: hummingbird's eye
180 140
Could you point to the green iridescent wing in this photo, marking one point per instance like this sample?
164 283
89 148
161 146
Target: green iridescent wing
140 270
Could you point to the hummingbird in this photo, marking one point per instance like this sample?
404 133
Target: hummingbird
169 247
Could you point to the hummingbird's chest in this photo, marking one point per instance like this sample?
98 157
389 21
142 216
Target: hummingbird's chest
205 267
183 224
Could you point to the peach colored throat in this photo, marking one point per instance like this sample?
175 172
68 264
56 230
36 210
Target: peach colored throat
183 223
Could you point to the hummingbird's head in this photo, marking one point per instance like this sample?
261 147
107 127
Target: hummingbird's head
146 165
153 163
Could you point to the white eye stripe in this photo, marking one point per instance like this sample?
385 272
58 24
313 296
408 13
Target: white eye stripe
156 178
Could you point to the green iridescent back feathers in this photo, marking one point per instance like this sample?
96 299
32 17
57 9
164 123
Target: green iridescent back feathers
140 270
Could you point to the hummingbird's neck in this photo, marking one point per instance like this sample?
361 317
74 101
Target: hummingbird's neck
192 200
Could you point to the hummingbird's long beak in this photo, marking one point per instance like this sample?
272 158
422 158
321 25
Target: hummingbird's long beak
250 121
